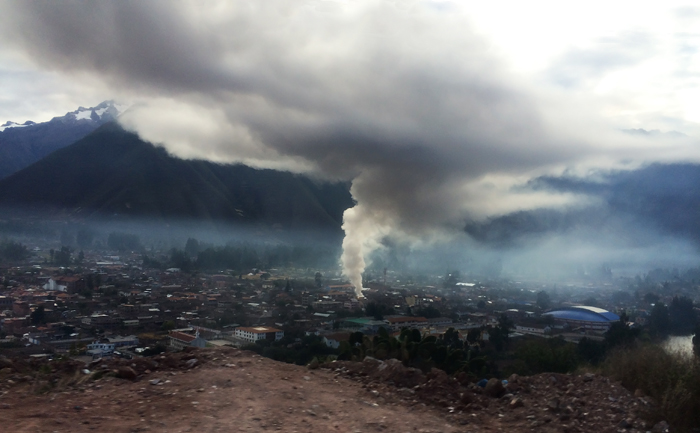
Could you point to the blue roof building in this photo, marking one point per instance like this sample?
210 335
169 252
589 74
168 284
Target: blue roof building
584 316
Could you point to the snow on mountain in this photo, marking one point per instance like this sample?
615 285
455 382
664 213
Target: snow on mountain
10 124
105 111
22 144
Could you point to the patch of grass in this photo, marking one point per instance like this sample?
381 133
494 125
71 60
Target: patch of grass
672 380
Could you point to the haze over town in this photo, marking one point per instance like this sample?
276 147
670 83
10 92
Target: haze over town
329 176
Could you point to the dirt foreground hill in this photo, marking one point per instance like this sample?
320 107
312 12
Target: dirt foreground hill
230 390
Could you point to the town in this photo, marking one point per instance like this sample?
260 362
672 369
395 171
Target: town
102 303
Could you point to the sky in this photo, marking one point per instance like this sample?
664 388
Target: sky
437 111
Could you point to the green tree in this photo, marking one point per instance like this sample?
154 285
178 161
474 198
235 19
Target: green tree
591 351
651 298
14 251
38 316
682 317
63 257
659 319
547 355
620 335
428 312
451 279
192 247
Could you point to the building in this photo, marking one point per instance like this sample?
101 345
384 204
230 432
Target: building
334 340
70 284
253 334
179 340
584 317
398 322
367 325
100 350
533 329
6 303
118 341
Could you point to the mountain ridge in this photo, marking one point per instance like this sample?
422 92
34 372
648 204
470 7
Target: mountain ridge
112 173
24 144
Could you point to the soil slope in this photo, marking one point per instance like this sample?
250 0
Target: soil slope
232 390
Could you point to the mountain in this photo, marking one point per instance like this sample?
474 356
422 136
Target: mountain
113 174
655 199
24 144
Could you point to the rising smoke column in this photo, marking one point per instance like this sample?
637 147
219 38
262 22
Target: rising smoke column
358 231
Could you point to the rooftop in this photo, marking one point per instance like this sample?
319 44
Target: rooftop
584 313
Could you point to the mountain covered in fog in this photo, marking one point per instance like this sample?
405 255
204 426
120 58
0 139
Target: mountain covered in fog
659 199
113 174
22 144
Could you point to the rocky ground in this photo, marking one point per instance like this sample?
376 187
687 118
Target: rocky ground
231 390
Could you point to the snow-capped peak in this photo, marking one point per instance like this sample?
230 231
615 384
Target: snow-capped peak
10 124
105 111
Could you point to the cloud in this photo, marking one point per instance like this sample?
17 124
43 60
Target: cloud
404 99
605 55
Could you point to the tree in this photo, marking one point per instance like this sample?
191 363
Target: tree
192 247
682 317
378 311
551 355
651 298
181 260
591 351
498 335
63 257
543 300
451 279
38 316
696 341
428 312
14 251
620 335
659 319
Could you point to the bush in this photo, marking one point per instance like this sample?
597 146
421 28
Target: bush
672 380
552 355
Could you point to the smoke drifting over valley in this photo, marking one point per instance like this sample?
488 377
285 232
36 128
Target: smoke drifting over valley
407 100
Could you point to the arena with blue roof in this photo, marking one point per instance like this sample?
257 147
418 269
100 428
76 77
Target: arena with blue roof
584 316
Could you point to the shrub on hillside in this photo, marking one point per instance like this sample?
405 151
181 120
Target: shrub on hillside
672 380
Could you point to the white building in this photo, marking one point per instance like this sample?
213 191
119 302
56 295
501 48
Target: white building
100 350
179 340
256 333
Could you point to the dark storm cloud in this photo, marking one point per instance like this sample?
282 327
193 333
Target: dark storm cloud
405 101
